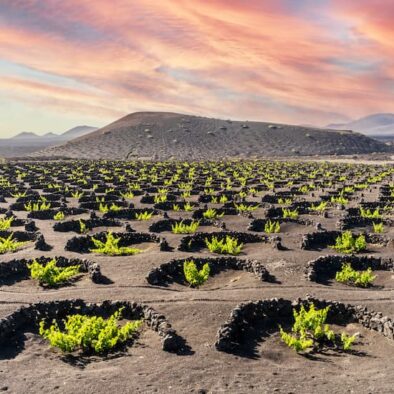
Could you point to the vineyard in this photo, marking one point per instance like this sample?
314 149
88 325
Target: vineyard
226 276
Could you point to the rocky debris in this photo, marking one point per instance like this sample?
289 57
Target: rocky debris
174 269
83 244
41 244
129 213
223 226
75 225
129 228
50 213
197 240
259 224
325 267
319 227
166 224
8 214
164 245
20 266
28 317
277 311
31 226
94 271
313 240
20 236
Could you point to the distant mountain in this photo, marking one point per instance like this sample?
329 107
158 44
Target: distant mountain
28 142
50 135
374 125
76 132
25 135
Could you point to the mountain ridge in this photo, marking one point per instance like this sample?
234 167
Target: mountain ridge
374 124
75 131
28 142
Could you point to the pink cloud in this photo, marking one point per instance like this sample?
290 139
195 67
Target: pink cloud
250 59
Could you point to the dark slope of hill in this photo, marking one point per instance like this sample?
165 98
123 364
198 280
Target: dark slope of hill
161 136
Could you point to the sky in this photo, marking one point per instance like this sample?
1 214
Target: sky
75 62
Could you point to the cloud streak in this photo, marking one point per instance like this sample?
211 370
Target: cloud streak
315 63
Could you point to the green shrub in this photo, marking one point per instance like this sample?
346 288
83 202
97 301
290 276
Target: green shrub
312 322
37 206
111 248
50 274
378 227
357 278
228 245
114 207
285 201
127 194
339 200
5 223
59 216
9 244
346 243
361 186
245 207
272 227
308 328
82 227
304 189
211 213
146 215
319 207
89 333
298 344
288 213
77 194
348 340
367 213
182 228
193 276
103 208
134 186
188 207
311 331
160 198
223 199
19 194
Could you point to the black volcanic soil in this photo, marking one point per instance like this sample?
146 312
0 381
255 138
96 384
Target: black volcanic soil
197 314
161 136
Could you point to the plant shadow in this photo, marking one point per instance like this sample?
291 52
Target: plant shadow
260 331
13 347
